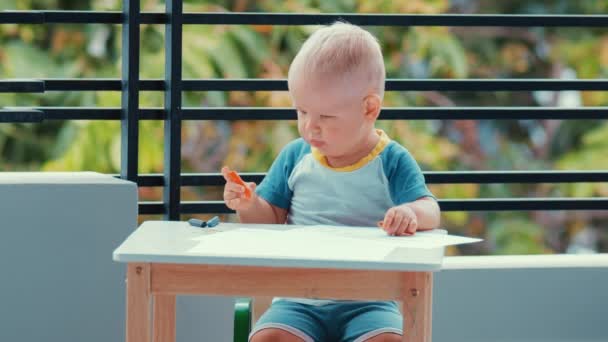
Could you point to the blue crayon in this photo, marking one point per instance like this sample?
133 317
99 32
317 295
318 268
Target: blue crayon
202 224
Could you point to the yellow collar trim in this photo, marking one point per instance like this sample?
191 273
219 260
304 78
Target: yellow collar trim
384 140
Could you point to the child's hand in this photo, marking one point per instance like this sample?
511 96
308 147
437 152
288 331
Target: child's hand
238 195
399 220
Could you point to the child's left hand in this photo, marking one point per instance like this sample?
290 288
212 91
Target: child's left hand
399 220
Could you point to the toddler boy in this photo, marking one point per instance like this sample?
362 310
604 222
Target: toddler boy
342 171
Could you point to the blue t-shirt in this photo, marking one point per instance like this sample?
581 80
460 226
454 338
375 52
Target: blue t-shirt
314 193
301 181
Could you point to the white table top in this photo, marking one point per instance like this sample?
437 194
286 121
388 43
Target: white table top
170 242
61 178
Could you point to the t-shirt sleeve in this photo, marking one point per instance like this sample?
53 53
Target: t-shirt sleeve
274 187
406 181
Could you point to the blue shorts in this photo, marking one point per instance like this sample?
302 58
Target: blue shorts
348 321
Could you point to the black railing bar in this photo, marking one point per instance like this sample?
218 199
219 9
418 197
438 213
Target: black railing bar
154 18
75 17
431 177
173 105
21 86
494 113
80 113
60 17
82 17
465 177
21 17
84 84
238 113
409 113
412 84
523 177
148 180
129 121
524 204
218 207
152 114
98 84
151 208
379 19
108 17
376 19
490 204
152 85
20 115
287 113
204 207
93 113
443 177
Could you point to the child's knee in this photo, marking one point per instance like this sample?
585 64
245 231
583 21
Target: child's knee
274 335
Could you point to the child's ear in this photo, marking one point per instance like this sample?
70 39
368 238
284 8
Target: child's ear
372 105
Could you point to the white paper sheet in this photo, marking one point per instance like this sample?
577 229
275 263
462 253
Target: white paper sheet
280 244
330 242
422 239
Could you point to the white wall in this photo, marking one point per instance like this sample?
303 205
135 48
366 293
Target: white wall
58 281
57 278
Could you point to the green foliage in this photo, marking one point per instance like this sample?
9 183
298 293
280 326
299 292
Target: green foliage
96 143
511 234
592 155
439 49
215 51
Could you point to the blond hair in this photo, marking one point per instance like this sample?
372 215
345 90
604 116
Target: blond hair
341 51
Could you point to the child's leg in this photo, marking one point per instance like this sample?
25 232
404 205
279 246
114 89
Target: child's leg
274 335
289 321
386 337
369 321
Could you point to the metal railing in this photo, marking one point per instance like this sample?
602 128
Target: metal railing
173 114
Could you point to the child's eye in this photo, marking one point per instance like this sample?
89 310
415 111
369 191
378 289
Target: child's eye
327 116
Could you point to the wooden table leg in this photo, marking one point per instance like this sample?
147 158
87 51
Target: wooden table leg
138 303
417 306
164 318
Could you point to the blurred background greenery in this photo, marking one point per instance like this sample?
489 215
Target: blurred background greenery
93 51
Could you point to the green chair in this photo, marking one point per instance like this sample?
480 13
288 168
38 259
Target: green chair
242 319
246 313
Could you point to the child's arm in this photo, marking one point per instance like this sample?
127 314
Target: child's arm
250 207
427 212
407 218
262 212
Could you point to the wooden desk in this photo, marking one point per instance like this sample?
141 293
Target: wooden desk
159 267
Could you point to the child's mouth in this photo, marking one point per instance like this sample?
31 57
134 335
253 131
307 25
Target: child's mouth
316 143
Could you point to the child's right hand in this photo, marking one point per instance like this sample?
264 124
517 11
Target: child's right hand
238 195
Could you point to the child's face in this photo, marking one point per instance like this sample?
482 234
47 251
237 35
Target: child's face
331 116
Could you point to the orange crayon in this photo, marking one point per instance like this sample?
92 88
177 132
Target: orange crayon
234 177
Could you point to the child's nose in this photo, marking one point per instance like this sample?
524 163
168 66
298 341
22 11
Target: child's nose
313 123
